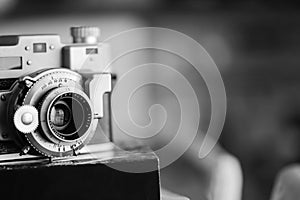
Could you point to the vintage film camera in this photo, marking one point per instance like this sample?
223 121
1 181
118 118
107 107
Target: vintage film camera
52 95
54 101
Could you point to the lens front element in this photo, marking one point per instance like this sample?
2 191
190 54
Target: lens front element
66 115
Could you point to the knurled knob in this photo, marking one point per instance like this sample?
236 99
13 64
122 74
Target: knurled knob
26 119
85 34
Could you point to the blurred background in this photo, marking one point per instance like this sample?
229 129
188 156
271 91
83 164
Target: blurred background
255 45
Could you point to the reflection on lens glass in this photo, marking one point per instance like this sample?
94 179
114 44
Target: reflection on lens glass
60 115
70 116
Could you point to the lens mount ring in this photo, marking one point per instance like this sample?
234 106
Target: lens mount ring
81 117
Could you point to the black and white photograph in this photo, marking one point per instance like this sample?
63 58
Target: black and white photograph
149 100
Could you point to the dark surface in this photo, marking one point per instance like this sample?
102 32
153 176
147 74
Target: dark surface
83 179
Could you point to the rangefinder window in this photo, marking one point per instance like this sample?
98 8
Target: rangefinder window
91 51
39 48
10 63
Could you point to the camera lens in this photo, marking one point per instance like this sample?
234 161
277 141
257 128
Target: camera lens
69 116
65 112
66 115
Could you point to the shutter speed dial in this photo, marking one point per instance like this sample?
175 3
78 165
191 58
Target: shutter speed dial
85 34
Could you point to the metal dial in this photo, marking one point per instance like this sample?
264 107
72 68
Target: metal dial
26 119
85 34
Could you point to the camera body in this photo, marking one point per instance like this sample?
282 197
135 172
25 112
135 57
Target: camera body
52 95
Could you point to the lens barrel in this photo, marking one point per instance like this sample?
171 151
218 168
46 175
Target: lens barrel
65 112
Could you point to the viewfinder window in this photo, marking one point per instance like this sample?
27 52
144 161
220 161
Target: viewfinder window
10 63
39 48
